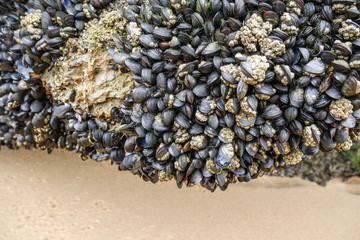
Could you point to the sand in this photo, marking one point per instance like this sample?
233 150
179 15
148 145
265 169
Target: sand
58 196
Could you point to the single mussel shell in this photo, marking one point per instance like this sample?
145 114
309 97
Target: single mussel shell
333 93
326 143
308 150
311 95
340 65
272 111
351 86
341 135
315 67
296 97
211 49
349 122
328 56
131 161
148 41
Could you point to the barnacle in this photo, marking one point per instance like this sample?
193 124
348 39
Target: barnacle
341 108
309 134
293 157
345 146
349 31
271 48
287 25
259 66
254 30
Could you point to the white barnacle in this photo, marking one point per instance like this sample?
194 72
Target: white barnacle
345 146
339 8
135 33
294 157
259 66
349 31
227 133
341 108
287 26
271 48
245 106
197 142
284 77
308 135
254 30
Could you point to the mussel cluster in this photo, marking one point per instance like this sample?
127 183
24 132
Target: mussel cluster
32 35
226 90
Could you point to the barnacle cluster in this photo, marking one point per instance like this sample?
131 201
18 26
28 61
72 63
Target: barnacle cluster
341 108
345 146
311 135
100 31
294 157
340 8
349 31
202 92
254 70
247 108
284 74
255 30
287 23
271 48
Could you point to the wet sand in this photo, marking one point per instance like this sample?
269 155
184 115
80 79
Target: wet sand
58 196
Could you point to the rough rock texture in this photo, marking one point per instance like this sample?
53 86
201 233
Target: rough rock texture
88 77
98 87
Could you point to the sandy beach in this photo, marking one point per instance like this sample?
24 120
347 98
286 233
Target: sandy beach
59 196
